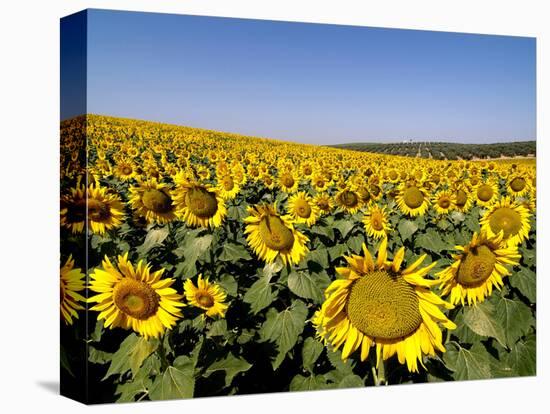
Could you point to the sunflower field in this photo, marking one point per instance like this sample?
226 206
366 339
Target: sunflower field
199 263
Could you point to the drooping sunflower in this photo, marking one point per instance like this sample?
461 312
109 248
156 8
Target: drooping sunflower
510 217
153 201
517 185
134 297
486 193
104 210
324 202
207 296
271 235
479 267
463 199
444 202
199 205
348 200
71 282
413 200
379 304
303 209
376 221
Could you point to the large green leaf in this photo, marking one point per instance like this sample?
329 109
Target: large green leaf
344 226
523 357
526 282
120 363
468 364
406 229
283 328
191 250
305 285
310 352
483 320
515 318
178 381
232 252
154 238
260 295
351 381
231 365
432 241
311 383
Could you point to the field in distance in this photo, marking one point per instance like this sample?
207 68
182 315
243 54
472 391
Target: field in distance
447 150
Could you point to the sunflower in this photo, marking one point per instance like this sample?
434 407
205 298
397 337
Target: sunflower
207 296
376 222
510 217
227 187
378 304
486 194
517 185
413 200
271 235
134 297
268 181
324 203
199 205
348 200
444 202
303 209
125 170
104 211
463 199
288 182
70 284
153 201
320 182
479 267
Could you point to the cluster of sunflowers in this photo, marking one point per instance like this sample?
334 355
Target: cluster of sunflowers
143 175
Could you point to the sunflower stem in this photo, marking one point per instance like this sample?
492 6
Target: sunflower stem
162 354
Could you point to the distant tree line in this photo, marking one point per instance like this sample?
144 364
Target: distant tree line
447 150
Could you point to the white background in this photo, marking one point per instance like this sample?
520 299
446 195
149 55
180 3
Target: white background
29 93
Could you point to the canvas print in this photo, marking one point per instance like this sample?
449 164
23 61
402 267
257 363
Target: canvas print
255 206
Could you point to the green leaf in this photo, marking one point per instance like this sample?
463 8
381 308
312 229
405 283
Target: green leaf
407 228
283 328
232 252
154 238
432 241
120 362
468 364
526 282
231 365
483 321
351 381
95 356
217 328
310 352
515 318
178 381
313 382
344 226
335 358
65 361
319 256
523 357
304 285
142 349
229 284
457 217
260 295
174 383
192 248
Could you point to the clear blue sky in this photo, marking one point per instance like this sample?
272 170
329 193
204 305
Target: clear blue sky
310 82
